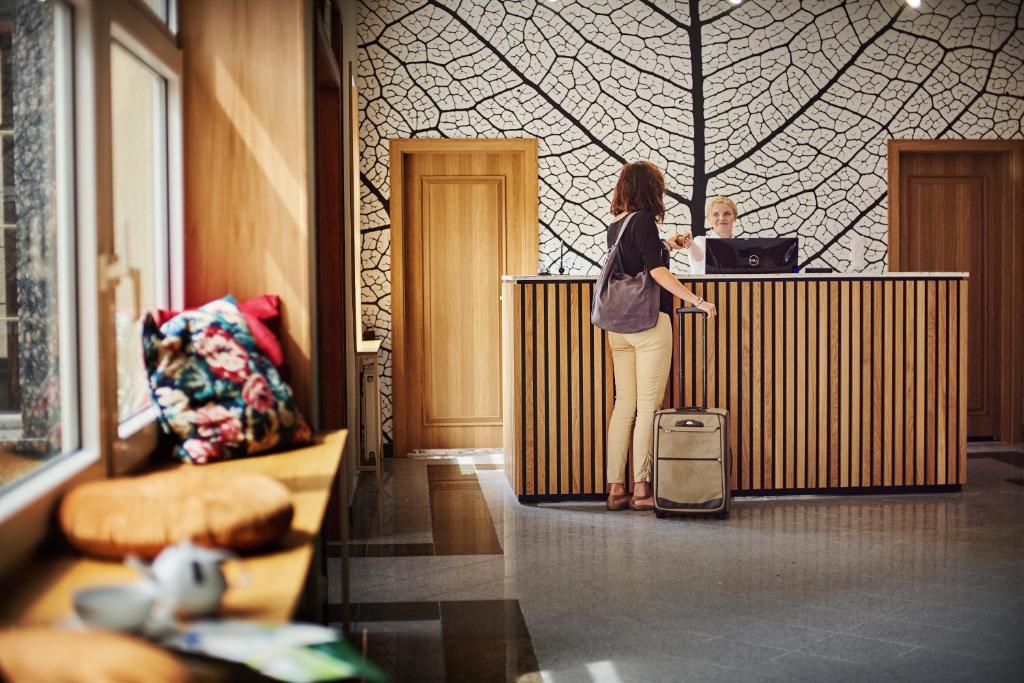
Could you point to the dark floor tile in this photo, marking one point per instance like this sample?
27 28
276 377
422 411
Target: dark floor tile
483 619
908 632
997 623
396 611
469 546
457 535
804 667
490 660
925 664
354 550
385 550
857 649
820 618
408 656
723 652
363 527
448 530
459 505
437 474
936 614
769 633
1009 457
471 641
455 496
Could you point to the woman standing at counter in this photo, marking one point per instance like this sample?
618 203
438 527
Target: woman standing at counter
641 360
722 213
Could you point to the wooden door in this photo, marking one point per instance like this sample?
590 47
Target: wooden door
334 247
952 208
464 213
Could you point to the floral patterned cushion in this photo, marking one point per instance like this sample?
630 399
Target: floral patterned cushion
215 390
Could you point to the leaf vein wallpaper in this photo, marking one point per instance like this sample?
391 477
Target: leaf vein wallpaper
785 106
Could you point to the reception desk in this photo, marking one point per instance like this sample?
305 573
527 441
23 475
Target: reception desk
834 383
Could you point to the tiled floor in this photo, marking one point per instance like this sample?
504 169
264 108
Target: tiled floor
872 588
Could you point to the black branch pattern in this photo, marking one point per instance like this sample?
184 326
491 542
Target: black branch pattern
784 105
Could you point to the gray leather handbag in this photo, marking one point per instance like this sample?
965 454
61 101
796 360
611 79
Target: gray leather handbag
622 302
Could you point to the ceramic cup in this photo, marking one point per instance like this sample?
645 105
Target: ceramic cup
120 608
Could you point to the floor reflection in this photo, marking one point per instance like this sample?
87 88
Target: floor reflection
883 587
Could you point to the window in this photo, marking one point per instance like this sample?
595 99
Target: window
90 221
145 101
139 146
34 232
44 440
10 396
165 10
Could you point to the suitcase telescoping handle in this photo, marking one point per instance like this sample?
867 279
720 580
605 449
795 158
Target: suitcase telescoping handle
682 312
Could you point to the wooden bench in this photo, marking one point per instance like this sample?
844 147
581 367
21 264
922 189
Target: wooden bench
39 592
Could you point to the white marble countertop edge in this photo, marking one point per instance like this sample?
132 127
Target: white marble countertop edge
765 276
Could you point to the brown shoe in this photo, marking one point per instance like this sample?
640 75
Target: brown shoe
642 504
619 502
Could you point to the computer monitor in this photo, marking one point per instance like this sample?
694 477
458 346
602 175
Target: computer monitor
754 255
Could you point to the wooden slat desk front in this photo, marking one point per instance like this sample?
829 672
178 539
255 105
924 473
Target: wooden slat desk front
833 382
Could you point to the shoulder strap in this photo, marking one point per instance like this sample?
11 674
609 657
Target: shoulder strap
622 231
625 222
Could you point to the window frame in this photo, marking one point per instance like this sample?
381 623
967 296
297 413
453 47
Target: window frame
138 30
87 271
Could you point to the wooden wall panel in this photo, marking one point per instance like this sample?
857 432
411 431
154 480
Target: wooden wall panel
512 378
744 410
799 377
247 163
779 408
607 403
587 402
921 377
852 383
757 414
899 406
734 380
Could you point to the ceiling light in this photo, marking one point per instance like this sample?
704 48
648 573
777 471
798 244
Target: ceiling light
914 3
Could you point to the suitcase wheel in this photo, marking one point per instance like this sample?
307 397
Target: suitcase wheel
659 514
722 515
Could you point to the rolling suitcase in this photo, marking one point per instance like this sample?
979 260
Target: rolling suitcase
691 451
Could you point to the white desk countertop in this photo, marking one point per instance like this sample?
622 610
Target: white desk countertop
761 276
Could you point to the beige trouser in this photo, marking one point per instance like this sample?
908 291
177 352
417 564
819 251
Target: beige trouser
642 362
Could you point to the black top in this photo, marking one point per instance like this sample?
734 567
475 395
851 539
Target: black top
642 249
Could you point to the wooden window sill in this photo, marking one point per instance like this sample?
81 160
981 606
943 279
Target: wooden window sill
40 591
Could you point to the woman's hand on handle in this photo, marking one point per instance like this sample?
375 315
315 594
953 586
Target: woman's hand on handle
665 278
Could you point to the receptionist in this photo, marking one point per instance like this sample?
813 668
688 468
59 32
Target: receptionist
722 214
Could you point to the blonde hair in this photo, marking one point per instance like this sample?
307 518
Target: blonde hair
722 200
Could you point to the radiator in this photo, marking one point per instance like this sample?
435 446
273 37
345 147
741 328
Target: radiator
370 439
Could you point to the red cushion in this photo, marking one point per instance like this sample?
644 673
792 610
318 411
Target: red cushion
257 312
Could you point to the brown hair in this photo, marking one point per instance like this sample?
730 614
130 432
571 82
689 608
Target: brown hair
641 187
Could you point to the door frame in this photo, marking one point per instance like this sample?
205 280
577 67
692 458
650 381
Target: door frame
399 148
1011 383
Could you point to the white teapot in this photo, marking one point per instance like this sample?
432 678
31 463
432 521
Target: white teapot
188 578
